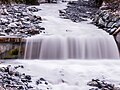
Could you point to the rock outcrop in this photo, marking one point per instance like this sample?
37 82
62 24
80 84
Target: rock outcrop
107 20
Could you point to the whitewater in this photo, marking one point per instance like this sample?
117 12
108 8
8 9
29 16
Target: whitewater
64 39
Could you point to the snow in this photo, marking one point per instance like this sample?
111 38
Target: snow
76 74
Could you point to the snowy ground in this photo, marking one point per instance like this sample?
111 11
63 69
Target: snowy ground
75 74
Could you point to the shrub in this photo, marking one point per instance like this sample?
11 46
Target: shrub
14 52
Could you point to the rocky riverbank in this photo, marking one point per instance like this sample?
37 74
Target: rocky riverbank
18 20
102 85
12 79
102 17
60 75
106 17
107 20
78 11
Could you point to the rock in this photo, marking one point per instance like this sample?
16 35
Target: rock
117 23
112 30
73 2
110 24
14 80
115 18
2 34
102 85
3 20
37 17
33 32
42 28
24 13
28 77
62 11
17 74
106 20
42 79
33 9
106 16
101 23
12 25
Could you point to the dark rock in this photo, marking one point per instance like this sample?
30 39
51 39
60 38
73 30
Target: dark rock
28 77
42 28
46 83
73 2
17 74
33 9
110 24
117 23
33 32
111 31
42 79
102 85
106 20
8 30
101 22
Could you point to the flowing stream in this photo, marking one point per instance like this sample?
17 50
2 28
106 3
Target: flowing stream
64 39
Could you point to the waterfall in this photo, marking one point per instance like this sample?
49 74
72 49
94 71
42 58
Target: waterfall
71 47
64 39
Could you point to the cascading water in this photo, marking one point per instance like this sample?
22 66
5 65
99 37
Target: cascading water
65 39
71 47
